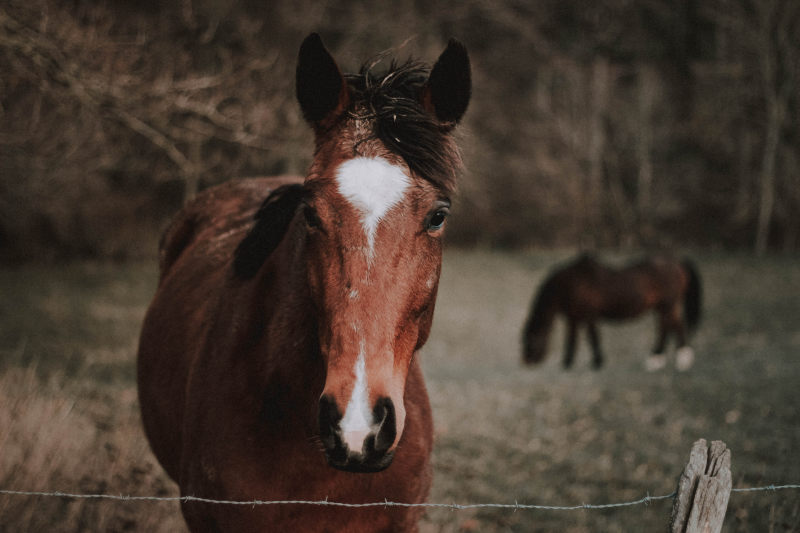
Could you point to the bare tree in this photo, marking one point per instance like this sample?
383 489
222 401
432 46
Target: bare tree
152 107
646 88
775 29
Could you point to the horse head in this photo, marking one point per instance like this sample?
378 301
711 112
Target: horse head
374 205
535 345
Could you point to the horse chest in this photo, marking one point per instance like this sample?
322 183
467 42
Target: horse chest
241 467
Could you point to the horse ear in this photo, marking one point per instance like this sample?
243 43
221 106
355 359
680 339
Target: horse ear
321 88
447 92
272 221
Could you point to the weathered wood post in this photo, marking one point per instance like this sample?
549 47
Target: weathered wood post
703 490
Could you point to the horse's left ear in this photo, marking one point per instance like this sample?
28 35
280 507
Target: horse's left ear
321 88
449 87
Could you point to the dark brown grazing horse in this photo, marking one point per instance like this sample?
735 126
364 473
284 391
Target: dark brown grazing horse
586 291
278 358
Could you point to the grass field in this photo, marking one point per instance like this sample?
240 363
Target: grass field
504 433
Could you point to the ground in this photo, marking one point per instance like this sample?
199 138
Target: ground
505 433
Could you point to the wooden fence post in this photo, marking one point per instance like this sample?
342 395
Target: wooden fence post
703 490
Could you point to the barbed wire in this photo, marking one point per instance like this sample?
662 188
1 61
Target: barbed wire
645 500
768 487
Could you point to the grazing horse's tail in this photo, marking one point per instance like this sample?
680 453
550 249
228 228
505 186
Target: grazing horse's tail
693 298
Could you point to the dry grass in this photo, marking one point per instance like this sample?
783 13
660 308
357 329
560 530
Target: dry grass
69 418
68 407
546 436
76 441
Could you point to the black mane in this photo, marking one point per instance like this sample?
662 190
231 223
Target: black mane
391 102
271 222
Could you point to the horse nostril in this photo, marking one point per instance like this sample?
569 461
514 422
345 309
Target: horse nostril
384 416
329 417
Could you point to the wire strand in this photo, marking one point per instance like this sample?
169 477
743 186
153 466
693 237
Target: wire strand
453 506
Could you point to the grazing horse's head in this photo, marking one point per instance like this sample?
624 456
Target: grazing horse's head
374 204
534 344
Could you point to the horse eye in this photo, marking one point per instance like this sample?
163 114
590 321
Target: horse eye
312 219
437 220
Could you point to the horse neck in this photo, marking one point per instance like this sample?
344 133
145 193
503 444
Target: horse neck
544 308
282 354
290 319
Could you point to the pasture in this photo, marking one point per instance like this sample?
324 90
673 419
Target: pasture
69 416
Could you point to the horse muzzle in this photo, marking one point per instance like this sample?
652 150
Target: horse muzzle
363 449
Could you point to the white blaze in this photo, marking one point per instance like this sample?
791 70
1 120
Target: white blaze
355 424
373 186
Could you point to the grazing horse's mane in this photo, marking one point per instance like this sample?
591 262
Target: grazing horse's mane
542 307
390 102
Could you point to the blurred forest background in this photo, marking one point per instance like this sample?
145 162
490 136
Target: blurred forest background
607 123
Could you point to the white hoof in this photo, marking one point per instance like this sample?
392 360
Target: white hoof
655 362
684 358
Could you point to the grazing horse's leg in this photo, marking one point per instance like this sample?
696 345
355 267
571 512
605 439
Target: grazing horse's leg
569 347
663 326
684 356
658 358
594 339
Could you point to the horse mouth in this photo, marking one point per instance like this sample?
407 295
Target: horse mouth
361 452
359 463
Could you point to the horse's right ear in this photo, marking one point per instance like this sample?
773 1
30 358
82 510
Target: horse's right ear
321 88
272 221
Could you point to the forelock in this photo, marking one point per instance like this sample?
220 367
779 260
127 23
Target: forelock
389 105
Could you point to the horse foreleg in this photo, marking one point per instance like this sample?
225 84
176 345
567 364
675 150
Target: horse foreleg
684 356
594 339
679 325
661 342
658 359
569 346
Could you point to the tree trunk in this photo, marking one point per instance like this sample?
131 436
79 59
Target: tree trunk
766 201
597 134
647 87
777 21
744 189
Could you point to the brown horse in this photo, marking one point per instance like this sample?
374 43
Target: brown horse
278 358
586 291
